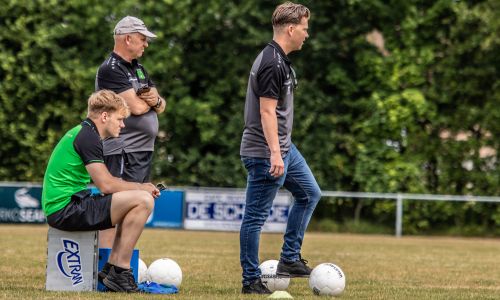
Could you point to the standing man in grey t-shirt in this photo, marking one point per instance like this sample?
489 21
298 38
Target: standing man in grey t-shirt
130 155
270 157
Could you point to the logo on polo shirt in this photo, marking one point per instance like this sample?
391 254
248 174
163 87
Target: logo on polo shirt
140 74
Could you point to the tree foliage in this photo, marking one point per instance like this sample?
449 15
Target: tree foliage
417 113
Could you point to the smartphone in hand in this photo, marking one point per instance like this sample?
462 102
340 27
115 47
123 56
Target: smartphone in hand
161 187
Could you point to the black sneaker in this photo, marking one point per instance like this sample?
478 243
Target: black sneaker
104 272
293 269
256 287
120 282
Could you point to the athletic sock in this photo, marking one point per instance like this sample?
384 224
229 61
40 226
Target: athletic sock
118 270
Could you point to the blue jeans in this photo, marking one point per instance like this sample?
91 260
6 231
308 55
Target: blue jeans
260 193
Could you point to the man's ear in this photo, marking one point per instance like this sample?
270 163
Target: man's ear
289 29
104 116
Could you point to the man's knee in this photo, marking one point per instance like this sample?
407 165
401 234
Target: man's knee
146 200
315 194
257 216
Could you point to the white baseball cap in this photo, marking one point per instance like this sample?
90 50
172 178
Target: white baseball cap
131 24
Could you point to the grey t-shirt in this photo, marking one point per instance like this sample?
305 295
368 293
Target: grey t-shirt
139 134
271 77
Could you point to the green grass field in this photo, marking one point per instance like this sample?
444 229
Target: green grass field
376 267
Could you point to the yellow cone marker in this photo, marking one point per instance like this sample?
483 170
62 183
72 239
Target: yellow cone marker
280 295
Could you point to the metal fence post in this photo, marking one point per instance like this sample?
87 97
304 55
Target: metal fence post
399 215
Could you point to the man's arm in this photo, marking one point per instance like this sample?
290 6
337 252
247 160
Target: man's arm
154 100
108 184
137 105
270 128
141 104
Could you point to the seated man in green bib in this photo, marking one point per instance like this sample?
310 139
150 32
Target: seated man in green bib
69 205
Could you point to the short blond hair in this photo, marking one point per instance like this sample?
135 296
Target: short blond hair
289 13
106 101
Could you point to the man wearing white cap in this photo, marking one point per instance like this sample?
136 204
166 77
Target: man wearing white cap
130 155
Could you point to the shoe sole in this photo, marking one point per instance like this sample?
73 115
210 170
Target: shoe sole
112 286
288 275
255 293
115 287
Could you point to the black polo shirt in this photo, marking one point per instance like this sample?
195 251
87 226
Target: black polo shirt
119 75
272 77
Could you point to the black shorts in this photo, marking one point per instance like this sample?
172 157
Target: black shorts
133 166
85 212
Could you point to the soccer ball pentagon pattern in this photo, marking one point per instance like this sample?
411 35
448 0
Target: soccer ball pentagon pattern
143 268
165 271
269 278
327 279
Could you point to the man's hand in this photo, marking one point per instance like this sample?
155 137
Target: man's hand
151 97
150 188
277 165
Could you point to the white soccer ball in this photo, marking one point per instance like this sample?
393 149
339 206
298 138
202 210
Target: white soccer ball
327 279
269 278
142 272
165 271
